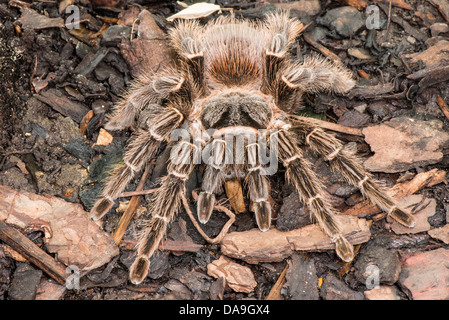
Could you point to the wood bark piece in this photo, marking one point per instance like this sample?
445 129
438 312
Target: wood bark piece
426 274
30 19
239 278
58 101
440 233
443 7
421 217
404 143
433 55
254 246
69 231
151 40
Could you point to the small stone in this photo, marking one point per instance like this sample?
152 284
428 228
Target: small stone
114 35
301 279
179 291
239 278
380 109
426 275
335 289
79 150
25 282
345 20
383 292
411 40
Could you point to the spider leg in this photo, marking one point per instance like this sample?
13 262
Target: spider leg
165 203
212 180
257 185
282 33
299 173
141 149
186 39
345 161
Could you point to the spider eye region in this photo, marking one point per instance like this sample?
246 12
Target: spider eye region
236 109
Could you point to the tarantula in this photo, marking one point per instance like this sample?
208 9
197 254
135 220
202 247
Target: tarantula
238 78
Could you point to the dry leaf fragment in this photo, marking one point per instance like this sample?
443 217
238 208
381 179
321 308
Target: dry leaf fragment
197 10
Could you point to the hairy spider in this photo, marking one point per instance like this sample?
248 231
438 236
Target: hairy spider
235 78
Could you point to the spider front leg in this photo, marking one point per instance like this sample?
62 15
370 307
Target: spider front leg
345 162
300 174
164 204
213 178
257 184
141 149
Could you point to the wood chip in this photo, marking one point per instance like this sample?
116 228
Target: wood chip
234 192
440 233
104 138
30 19
254 246
239 278
59 101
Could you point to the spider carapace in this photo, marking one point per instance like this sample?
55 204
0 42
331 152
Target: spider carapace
234 78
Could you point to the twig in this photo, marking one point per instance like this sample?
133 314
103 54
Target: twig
443 106
325 51
275 292
137 193
130 210
223 231
33 253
